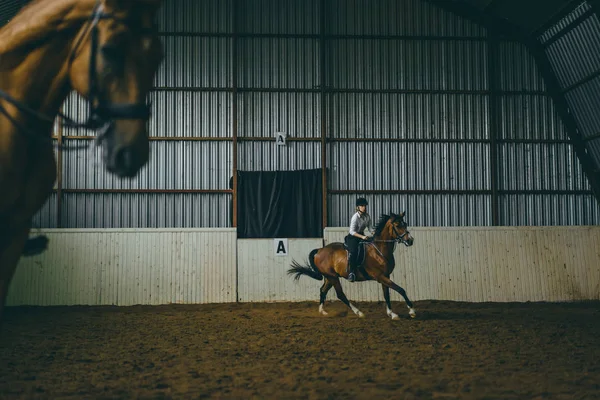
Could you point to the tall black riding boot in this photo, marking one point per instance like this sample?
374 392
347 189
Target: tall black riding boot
351 271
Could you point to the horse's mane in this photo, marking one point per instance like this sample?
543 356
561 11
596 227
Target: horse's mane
39 19
383 219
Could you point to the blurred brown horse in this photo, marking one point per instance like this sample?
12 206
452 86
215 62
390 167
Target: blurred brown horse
330 263
106 50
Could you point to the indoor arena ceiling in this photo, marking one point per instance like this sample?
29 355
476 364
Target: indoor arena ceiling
531 17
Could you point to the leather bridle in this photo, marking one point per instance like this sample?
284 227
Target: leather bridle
101 112
401 238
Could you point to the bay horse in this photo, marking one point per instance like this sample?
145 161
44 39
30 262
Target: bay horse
108 51
330 264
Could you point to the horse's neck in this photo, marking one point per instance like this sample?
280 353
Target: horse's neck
34 52
41 19
385 243
38 79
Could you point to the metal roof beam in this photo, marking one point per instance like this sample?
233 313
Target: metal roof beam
570 26
499 26
588 164
595 4
563 12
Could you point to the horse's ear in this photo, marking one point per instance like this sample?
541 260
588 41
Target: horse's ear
402 214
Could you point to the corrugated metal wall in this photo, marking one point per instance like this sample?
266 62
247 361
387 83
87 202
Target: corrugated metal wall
278 73
439 104
573 49
421 110
408 112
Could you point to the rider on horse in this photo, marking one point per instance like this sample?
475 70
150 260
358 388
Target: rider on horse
361 220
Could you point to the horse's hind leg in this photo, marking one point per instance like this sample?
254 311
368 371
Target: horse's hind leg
340 294
386 296
11 246
324 289
387 282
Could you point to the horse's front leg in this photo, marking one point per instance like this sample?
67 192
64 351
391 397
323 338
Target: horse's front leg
387 282
12 242
386 296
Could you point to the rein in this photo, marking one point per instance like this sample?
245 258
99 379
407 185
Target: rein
399 239
68 122
101 113
377 248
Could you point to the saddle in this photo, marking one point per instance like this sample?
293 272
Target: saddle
360 256
360 259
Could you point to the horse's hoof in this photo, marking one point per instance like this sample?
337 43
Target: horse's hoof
324 313
394 316
412 313
360 314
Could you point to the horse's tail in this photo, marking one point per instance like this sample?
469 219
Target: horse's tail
311 270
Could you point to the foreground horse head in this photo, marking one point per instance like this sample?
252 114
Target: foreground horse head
330 263
106 50
112 64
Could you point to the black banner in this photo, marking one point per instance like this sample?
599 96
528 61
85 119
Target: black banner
279 204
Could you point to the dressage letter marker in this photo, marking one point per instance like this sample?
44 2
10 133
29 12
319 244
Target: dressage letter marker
281 247
280 138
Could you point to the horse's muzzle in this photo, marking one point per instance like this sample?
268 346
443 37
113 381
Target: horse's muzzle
409 242
123 160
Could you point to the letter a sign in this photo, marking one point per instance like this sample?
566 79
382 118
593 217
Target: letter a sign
280 138
281 247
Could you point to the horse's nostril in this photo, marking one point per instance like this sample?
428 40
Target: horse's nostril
123 158
125 161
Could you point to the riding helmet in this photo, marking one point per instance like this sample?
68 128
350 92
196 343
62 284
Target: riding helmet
361 201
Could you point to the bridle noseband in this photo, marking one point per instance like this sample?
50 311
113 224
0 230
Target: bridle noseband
101 112
401 238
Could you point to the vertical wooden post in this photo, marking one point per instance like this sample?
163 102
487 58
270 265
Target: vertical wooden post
59 172
234 116
323 110
494 124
